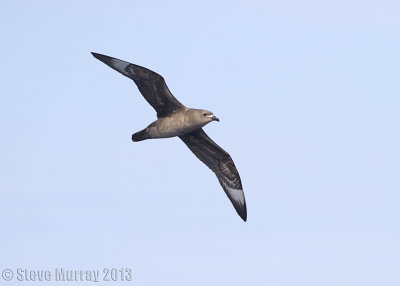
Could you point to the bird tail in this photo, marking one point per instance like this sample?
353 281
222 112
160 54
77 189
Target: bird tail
140 136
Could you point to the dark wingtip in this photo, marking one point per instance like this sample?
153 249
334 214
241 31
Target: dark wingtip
241 209
97 56
105 59
243 213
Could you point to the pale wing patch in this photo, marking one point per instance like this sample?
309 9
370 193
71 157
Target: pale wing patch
120 66
235 194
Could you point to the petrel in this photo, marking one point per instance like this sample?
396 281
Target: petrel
175 119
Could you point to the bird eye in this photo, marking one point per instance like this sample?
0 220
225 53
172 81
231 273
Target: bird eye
204 114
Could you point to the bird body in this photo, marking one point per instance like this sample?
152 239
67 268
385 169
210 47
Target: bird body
178 123
175 119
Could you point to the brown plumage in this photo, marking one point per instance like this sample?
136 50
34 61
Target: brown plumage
175 119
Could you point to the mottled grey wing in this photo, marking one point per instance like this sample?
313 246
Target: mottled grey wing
220 162
150 84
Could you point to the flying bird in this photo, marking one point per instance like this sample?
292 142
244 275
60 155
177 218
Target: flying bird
175 119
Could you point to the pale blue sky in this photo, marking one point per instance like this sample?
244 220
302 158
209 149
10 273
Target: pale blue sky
308 94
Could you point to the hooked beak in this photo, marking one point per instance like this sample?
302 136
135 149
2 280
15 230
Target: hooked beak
214 118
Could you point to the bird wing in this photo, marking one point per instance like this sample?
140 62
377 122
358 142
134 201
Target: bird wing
220 162
150 84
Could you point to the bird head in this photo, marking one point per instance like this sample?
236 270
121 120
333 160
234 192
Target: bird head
206 116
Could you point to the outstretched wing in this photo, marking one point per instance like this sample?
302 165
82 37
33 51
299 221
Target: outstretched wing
220 162
150 84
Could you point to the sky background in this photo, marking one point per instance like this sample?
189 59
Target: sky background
308 94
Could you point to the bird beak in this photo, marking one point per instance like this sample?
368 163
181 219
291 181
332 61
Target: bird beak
214 118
